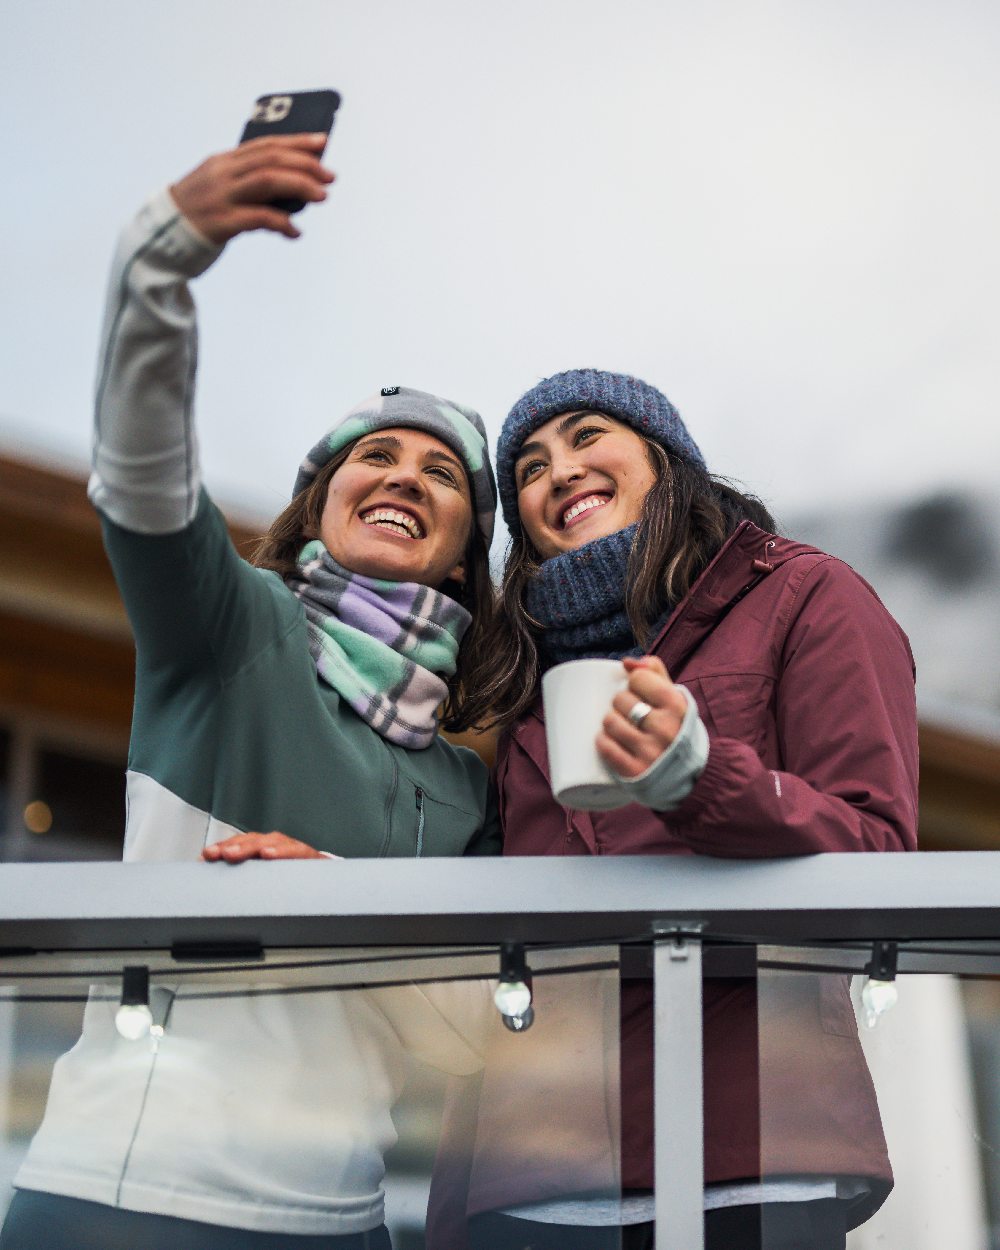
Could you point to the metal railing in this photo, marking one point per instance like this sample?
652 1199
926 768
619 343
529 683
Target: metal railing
941 911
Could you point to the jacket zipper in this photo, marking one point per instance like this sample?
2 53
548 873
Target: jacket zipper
420 821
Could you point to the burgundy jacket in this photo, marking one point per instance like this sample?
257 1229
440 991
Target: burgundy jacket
806 687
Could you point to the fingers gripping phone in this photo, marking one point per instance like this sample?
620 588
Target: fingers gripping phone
291 113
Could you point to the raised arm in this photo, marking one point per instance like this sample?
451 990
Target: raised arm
145 472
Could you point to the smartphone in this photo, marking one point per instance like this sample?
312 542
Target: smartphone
291 113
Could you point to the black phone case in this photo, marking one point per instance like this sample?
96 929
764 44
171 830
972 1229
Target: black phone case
291 113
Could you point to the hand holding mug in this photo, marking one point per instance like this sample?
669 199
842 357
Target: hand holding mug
643 719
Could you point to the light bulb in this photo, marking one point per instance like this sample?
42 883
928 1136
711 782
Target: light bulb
513 998
876 999
513 993
133 1018
517 1024
133 1021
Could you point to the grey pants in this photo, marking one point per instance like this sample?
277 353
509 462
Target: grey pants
36 1220
817 1225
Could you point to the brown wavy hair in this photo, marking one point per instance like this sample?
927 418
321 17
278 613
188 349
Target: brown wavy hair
686 516
279 548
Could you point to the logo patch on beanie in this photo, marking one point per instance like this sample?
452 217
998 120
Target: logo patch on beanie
390 390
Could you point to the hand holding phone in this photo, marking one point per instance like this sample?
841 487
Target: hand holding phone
291 113
256 185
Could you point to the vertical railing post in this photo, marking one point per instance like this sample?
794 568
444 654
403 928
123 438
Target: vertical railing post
678 1115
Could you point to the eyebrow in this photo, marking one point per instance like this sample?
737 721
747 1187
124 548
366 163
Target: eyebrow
379 440
565 424
434 454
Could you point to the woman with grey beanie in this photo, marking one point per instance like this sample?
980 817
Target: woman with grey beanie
303 694
769 711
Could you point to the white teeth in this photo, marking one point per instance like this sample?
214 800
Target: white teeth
390 519
583 505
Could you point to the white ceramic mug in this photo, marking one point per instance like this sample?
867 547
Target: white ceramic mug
577 697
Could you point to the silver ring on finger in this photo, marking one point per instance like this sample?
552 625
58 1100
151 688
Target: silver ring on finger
638 712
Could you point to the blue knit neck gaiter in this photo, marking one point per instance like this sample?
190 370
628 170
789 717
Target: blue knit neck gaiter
579 600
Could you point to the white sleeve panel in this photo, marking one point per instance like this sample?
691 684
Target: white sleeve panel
670 778
145 470
160 825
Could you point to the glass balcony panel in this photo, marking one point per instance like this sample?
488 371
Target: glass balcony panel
849 1110
272 1096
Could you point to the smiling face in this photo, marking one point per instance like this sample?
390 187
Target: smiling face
580 476
399 508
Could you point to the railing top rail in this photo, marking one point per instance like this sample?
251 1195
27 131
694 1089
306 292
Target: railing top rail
89 906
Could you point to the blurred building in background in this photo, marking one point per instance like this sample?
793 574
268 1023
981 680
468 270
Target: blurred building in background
66 670
935 562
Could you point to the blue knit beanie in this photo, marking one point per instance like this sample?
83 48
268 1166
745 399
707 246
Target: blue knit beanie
643 407
458 427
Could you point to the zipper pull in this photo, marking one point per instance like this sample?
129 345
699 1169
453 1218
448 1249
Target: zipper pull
764 566
420 821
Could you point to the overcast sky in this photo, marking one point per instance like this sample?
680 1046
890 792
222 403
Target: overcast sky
784 214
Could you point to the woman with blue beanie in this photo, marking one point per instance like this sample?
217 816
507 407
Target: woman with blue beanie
769 711
302 694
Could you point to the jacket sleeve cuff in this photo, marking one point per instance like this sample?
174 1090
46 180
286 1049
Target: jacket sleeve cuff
161 235
668 781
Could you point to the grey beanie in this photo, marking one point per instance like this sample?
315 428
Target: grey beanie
457 427
643 407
